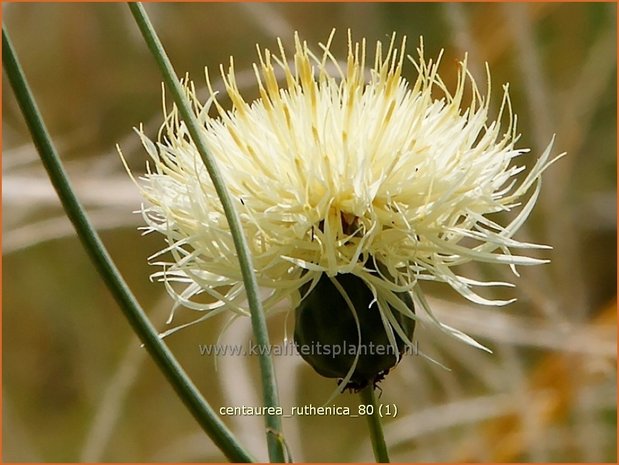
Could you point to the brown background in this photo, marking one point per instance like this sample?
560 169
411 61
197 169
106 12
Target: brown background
76 385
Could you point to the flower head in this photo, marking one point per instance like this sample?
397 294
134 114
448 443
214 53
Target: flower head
341 168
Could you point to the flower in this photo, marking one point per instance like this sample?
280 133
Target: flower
341 169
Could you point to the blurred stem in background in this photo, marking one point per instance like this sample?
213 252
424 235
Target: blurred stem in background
140 323
269 385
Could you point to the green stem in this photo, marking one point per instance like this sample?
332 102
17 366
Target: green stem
376 428
140 323
269 386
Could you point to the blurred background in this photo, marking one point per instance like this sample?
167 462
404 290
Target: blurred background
77 386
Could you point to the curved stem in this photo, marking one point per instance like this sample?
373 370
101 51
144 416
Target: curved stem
274 436
140 323
376 428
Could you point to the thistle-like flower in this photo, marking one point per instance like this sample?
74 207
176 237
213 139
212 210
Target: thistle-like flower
345 175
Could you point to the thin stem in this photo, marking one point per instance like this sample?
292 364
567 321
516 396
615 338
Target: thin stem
269 387
376 428
140 323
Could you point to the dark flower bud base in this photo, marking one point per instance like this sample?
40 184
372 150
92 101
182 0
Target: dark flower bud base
335 336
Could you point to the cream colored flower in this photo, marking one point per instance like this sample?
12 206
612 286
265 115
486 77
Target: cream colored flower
334 171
